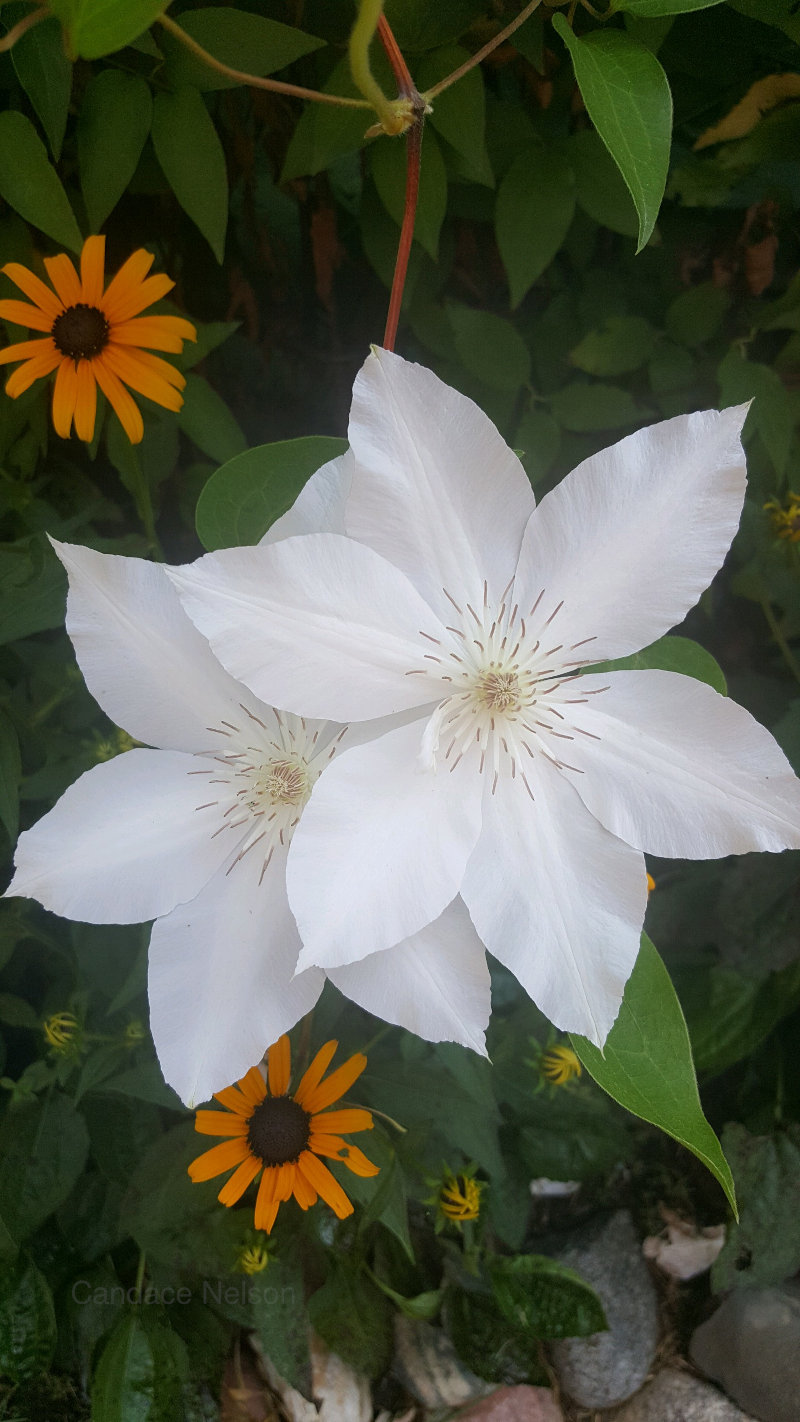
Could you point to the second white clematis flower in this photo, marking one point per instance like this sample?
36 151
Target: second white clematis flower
195 834
524 786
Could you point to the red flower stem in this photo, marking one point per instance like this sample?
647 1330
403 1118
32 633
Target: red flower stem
407 90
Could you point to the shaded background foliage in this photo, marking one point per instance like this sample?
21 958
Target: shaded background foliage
280 226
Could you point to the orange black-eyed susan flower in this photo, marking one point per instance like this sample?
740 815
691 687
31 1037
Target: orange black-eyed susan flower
285 1137
95 336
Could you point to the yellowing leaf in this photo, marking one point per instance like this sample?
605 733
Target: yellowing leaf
764 95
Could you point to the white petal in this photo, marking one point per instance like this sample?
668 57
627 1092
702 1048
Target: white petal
380 850
319 507
319 625
220 979
558 900
435 488
630 539
681 771
435 984
124 844
142 659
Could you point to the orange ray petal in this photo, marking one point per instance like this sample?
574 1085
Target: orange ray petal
266 1203
254 1087
25 350
85 402
123 404
358 1162
353 1118
218 1159
160 333
234 1188
130 303
65 279
319 1176
159 367
128 279
313 1076
337 1084
93 265
24 315
65 393
279 1058
219 1123
231 1097
331 1146
24 376
304 1193
135 374
35 289
285 1183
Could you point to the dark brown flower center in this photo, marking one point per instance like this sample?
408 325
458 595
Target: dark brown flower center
279 1130
81 331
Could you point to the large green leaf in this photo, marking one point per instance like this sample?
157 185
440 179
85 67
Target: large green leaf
490 347
251 43
628 99
97 27
459 113
619 345
32 588
535 206
44 71
27 1321
43 1148
188 148
649 8
675 654
31 185
763 1248
113 123
646 1064
353 1317
544 1297
207 420
123 1387
600 187
279 1317
245 497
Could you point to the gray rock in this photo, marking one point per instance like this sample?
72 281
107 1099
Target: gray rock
608 1368
751 1346
426 1362
674 1396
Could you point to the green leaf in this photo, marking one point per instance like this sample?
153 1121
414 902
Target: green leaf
388 166
353 1318
675 654
113 123
763 1248
243 41
16 1012
44 71
188 148
30 184
244 498
583 1139
619 345
145 1083
697 314
729 1015
627 97
544 1297
539 439
771 415
43 1148
599 185
207 420
325 132
32 588
98 27
646 1064
648 8
486 1341
595 407
459 113
279 1317
123 1386
490 347
424 1306
27 1322
10 775
535 206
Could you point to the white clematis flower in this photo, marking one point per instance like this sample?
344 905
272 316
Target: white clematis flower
524 786
196 834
